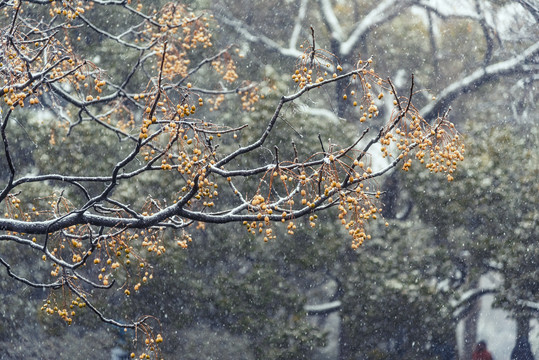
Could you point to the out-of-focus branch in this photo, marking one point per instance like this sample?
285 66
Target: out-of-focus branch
465 304
323 309
520 64
383 12
298 25
533 8
486 33
433 47
251 36
331 20
444 15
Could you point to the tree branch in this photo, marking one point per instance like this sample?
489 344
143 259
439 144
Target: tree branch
298 25
326 10
251 36
383 12
516 65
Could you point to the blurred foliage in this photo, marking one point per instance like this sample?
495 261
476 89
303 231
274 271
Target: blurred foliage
392 306
489 216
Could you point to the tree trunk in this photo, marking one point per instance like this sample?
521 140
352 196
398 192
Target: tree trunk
469 338
522 349
523 327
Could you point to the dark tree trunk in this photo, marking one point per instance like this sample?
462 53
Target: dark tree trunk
470 327
522 349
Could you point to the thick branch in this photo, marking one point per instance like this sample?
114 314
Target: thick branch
513 66
323 309
292 44
383 12
464 305
251 36
9 160
331 20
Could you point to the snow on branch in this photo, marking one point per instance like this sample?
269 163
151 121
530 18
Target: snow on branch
533 8
454 9
331 19
298 25
385 11
529 305
251 36
323 309
467 300
516 65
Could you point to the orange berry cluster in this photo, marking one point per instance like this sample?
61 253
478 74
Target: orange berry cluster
357 204
362 90
312 188
152 242
70 9
53 307
184 32
249 98
437 146
14 210
306 76
151 346
216 102
225 66
313 65
184 240
259 202
360 207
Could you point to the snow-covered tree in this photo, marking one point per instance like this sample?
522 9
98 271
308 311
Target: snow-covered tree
127 148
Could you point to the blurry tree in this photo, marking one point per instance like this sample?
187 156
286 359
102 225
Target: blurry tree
492 228
392 306
125 161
